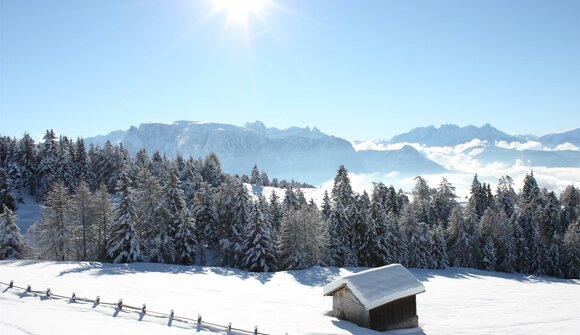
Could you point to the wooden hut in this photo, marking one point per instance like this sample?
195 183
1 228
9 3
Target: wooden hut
381 298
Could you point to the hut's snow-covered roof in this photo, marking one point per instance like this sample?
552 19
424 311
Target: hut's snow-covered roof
378 286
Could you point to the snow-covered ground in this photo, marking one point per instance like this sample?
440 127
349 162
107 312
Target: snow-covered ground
456 301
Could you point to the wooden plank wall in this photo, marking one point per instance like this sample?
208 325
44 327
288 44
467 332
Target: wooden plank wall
392 313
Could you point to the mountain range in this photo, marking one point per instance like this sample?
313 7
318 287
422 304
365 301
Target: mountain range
310 155
452 135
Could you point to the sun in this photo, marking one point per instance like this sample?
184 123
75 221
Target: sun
239 11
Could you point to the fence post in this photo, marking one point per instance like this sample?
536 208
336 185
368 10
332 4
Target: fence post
48 292
229 327
199 319
171 314
97 301
73 298
11 285
255 330
120 304
144 309
28 288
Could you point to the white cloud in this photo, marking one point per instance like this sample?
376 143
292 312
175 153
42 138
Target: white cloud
534 145
567 146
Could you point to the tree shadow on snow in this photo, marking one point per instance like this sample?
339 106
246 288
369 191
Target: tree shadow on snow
468 273
107 269
320 276
262 277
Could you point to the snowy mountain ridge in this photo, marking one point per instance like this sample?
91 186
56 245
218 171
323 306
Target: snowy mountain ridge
451 135
309 155
294 153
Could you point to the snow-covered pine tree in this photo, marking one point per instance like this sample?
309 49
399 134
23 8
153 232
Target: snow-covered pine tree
326 206
510 254
570 202
255 176
459 241
506 198
206 220
553 267
11 244
292 242
104 166
82 208
291 201
443 202
14 170
488 255
264 179
341 190
439 248
339 232
185 242
364 230
397 245
276 213
81 164
124 245
527 220
236 206
477 201
571 250
64 163
378 250
260 253
417 237
159 165
47 163
174 206
212 170
52 232
549 216
153 218
6 197
191 180
103 216
27 155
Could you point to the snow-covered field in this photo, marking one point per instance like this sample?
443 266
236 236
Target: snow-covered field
456 301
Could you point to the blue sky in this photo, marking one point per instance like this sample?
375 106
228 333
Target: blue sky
355 69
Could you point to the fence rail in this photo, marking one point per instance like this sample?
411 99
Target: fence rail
198 322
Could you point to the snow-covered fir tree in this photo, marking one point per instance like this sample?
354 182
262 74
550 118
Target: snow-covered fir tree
206 220
255 176
185 242
47 163
154 218
460 241
443 202
174 207
82 207
103 212
276 213
124 245
416 234
11 243
236 206
52 232
6 197
260 252
299 241
439 248
488 255
364 229
571 246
